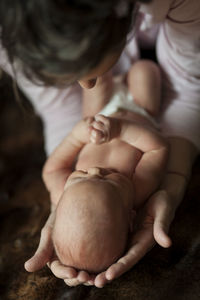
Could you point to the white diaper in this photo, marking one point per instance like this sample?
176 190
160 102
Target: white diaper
122 99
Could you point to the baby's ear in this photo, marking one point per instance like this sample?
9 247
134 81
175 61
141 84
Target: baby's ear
132 217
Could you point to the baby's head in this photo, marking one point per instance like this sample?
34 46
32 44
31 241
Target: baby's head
92 219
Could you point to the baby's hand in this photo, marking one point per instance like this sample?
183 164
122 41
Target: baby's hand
100 130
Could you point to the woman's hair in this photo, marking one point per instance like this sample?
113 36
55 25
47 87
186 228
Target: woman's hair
52 38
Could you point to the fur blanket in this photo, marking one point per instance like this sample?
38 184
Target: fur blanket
24 206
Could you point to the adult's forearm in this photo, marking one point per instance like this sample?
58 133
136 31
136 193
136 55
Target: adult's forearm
182 156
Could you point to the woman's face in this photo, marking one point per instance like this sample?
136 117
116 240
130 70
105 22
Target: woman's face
89 80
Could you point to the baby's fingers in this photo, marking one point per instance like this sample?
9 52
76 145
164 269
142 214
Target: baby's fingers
104 120
100 130
98 125
97 137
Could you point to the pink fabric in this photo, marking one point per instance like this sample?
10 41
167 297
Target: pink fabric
178 46
178 53
60 109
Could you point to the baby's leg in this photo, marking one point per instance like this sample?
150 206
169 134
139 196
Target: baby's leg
144 83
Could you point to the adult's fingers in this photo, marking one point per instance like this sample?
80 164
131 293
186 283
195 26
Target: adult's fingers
72 282
82 278
43 253
61 271
100 280
142 242
164 215
91 280
161 228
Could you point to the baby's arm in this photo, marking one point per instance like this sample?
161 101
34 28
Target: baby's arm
60 163
151 167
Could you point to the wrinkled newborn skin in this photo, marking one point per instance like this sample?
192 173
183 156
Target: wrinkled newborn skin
93 219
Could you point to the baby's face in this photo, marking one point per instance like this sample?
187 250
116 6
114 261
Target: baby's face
110 180
92 220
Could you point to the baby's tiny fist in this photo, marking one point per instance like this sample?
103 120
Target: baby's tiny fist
89 120
97 137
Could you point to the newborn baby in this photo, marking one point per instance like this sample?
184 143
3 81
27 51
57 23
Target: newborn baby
114 174
121 161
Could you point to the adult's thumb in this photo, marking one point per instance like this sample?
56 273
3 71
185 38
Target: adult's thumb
43 253
162 220
37 262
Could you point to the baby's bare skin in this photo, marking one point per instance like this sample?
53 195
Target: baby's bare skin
103 187
120 154
128 142
115 154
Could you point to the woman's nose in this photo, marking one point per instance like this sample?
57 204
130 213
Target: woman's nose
87 84
94 171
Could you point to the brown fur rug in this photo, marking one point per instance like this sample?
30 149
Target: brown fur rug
24 205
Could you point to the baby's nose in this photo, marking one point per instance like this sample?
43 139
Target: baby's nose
87 84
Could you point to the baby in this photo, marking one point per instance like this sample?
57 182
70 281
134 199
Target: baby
121 161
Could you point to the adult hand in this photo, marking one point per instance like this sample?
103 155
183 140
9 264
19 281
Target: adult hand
154 221
45 254
156 217
45 249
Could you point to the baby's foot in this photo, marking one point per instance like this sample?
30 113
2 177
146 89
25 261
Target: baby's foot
100 130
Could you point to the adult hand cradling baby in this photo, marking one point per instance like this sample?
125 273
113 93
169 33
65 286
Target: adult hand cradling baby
157 216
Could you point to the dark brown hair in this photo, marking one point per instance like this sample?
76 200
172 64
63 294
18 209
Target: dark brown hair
62 37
